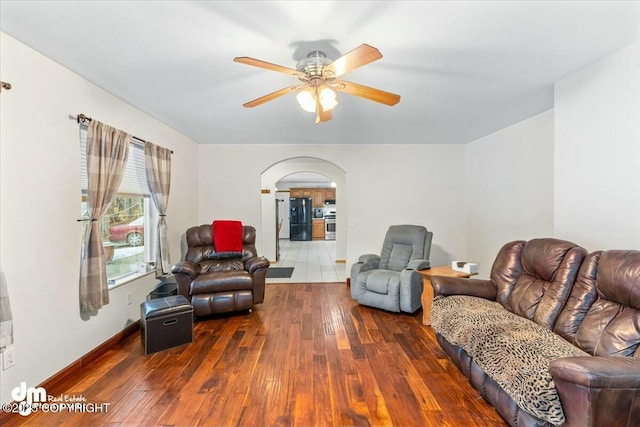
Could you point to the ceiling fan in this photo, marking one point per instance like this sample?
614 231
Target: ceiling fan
319 76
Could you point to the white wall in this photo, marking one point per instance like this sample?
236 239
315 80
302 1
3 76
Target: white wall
597 153
40 201
572 172
509 177
385 185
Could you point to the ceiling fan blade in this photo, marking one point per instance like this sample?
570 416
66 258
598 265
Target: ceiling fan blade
266 65
271 96
321 114
367 92
362 55
325 116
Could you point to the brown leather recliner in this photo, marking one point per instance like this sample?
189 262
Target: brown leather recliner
217 282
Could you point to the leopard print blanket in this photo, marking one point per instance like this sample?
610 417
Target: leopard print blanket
514 351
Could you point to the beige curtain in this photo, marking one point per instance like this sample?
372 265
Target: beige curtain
107 152
158 165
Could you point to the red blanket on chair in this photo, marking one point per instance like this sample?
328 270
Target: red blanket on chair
227 235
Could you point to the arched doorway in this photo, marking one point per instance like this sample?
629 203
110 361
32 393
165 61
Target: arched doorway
277 171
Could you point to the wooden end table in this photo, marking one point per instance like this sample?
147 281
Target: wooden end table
427 293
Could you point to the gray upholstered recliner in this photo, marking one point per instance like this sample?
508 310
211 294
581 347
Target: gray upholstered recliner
390 281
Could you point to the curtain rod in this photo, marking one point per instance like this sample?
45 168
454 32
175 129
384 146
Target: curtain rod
81 118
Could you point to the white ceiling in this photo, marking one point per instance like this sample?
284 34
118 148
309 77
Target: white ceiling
463 69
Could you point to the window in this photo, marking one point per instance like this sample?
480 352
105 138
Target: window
127 226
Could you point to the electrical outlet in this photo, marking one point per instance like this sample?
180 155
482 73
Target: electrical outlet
8 359
129 298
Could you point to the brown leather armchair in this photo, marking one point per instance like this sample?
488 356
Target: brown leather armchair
220 282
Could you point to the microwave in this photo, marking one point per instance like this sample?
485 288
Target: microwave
329 202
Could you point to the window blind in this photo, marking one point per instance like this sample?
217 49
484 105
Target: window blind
134 181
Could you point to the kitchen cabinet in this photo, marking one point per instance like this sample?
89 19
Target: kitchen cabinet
317 229
318 198
329 193
318 195
301 192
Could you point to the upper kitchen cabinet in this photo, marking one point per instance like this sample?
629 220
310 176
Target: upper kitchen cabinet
319 195
329 194
301 192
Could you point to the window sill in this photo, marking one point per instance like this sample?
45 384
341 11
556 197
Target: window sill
129 278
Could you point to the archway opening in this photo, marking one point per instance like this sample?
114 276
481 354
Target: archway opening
277 183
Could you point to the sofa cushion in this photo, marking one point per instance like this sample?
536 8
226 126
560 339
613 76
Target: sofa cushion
402 244
549 268
400 256
583 294
230 264
200 244
380 281
378 288
513 351
221 281
611 327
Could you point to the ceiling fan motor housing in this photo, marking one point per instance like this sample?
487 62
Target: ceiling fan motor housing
313 64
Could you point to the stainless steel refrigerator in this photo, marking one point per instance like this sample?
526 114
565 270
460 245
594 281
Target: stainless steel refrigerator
300 213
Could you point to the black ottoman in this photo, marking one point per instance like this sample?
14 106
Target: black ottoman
165 323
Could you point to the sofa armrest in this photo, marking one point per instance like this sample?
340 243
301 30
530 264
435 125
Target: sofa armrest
258 267
598 371
365 263
185 272
419 264
444 286
253 264
597 391
189 268
372 259
411 287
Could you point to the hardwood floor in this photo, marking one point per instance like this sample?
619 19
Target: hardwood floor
307 356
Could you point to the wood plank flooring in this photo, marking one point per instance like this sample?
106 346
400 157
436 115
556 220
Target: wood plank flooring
307 356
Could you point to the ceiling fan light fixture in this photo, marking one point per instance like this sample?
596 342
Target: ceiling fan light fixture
306 100
328 98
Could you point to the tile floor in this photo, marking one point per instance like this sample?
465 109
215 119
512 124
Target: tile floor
312 261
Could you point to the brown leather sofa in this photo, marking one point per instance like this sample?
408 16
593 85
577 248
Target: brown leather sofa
587 305
216 282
